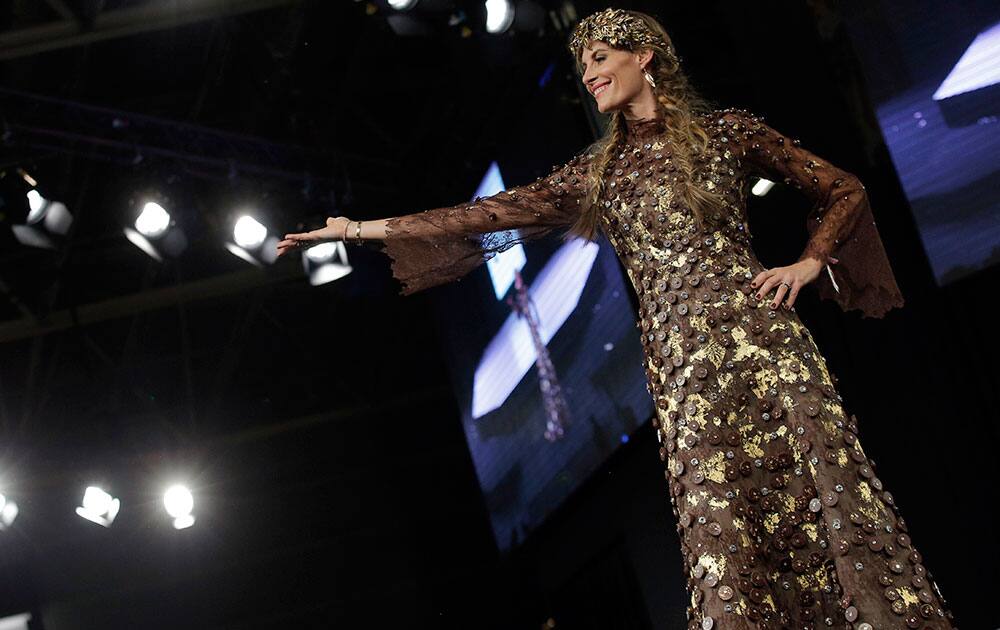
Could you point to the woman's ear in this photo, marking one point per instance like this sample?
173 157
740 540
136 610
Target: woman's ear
644 57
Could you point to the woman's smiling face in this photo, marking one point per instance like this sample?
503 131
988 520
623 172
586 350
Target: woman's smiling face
612 76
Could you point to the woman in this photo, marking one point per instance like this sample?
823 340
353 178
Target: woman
782 519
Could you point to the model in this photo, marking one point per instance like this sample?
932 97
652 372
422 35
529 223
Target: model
783 520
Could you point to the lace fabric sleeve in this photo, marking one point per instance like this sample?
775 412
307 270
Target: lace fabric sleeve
441 245
840 223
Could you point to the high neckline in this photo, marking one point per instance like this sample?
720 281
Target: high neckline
645 127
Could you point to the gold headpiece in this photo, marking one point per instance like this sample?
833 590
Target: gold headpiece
618 28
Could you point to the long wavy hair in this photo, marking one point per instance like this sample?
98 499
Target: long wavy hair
679 104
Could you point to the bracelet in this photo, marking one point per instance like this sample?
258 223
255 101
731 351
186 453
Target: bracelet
357 233
345 229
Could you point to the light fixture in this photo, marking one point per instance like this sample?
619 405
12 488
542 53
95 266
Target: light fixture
46 222
156 233
499 15
98 506
16 622
761 187
326 262
179 503
252 242
8 512
153 221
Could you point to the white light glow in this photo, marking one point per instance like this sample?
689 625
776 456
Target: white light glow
328 272
142 243
402 5
98 506
8 512
322 252
499 15
36 205
248 232
178 501
183 522
96 500
15 622
153 221
762 186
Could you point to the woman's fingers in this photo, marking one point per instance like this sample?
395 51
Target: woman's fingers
761 277
298 240
779 295
290 242
765 288
790 302
773 279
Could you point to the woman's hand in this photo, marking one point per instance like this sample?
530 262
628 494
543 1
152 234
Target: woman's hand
334 231
788 280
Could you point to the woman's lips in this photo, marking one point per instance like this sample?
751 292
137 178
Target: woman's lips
599 90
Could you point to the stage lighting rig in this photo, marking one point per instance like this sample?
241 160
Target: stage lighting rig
326 262
252 242
179 503
155 232
38 221
98 506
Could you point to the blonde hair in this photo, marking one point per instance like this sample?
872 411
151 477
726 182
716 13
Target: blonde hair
679 104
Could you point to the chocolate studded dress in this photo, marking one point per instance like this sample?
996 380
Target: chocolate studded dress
782 519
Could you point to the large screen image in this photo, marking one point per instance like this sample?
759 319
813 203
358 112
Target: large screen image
934 79
547 365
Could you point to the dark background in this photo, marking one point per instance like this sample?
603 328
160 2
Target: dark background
316 425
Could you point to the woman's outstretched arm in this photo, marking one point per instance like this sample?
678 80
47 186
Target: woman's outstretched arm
441 245
841 227
336 229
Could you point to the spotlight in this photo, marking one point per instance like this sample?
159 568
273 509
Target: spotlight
762 187
36 205
326 262
16 622
178 502
99 506
156 233
8 512
153 221
248 232
46 222
252 243
402 5
499 15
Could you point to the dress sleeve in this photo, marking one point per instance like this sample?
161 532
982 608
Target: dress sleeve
840 223
437 246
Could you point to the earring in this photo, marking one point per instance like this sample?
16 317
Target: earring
649 78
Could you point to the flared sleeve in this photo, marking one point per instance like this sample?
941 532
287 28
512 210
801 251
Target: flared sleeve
840 223
441 245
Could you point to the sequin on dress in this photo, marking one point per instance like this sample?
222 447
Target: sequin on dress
782 518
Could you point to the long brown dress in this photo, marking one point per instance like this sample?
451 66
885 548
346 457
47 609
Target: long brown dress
782 519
